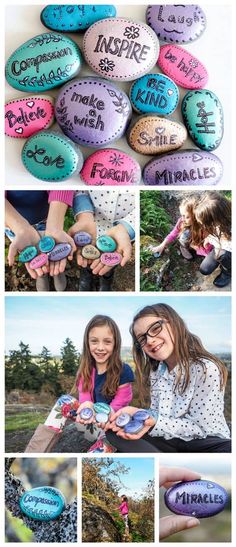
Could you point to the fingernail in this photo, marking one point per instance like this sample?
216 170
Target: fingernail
191 523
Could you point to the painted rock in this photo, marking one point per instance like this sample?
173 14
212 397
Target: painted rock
26 116
90 252
43 503
198 498
188 167
46 244
176 23
43 62
141 415
204 118
102 407
51 156
110 167
92 111
28 253
111 259
102 417
60 251
86 413
65 399
133 427
123 419
151 134
38 261
154 93
120 49
68 18
106 244
82 238
182 67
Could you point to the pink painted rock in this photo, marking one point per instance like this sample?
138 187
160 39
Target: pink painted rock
182 67
110 167
39 261
28 115
111 259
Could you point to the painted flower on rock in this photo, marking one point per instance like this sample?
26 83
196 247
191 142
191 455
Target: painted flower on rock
131 32
106 65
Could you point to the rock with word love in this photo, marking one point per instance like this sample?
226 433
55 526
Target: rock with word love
43 503
154 93
151 134
178 24
200 498
204 118
28 115
180 65
110 167
69 18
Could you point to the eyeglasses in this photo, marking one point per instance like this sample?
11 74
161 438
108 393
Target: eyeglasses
153 331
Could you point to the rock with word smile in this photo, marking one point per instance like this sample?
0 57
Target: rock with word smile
151 134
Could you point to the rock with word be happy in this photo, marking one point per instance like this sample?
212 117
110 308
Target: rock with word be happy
186 167
28 115
43 503
151 134
204 118
111 259
182 67
28 253
69 18
90 252
38 261
120 49
200 498
50 156
60 251
176 23
92 111
43 62
106 244
46 244
82 238
110 167
154 93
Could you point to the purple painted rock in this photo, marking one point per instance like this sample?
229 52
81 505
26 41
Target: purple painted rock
188 167
28 115
92 112
90 252
123 419
82 238
38 261
180 65
176 23
133 427
198 498
60 251
86 413
151 134
141 415
120 49
110 167
111 259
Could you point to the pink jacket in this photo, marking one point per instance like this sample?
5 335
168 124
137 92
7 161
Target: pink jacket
124 508
66 196
122 397
201 251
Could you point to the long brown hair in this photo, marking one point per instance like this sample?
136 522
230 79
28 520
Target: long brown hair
87 362
188 350
196 231
214 213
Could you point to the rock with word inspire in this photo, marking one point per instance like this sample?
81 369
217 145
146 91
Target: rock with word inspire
68 18
50 156
186 167
60 251
120 49
106 244
176 23
43 503
110 167
151 134
28 115
200 498
180 65
204 118
92 112
154 93
43 62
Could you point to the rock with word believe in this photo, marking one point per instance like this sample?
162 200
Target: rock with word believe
111 259
28 115
69 18
43 503
200 498
110 167
204 118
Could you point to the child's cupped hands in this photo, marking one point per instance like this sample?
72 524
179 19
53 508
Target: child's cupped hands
131 410
86 404
28 236
124 247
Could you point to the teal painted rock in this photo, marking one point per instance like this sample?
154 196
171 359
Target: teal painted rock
68 18
106 244
51 156
43 503
43 62
28 254
204 118
101 408
154 93
46 244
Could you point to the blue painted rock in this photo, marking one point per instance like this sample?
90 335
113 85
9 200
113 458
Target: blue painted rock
50 156
176 23
46 244
92 112
86 413
154 93
110 167
120 49
156 255
43 62
180 65
38 261
106 244
123 419
60 251
68 18
90 252
151 134
111 259
133 427
82 238
28 115
204 118
102 407
198 498
101 417
43 503
188 167
28 253
141 415
64 399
